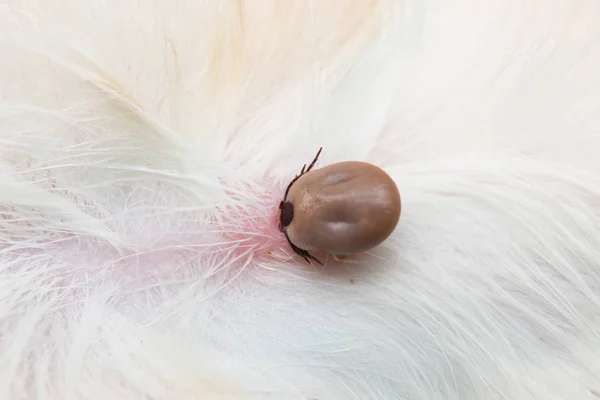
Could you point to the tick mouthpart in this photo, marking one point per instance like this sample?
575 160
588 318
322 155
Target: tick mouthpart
287 214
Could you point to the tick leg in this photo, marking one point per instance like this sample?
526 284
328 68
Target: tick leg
305 254
302 253
312 164
304 170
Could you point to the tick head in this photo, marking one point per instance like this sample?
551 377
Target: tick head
286 216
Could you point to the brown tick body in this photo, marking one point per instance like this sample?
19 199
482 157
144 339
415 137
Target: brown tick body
344 208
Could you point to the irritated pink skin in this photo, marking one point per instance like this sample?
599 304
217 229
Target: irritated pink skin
255 227
169 247
143 252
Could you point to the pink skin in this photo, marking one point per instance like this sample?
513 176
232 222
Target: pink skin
256 227
177 248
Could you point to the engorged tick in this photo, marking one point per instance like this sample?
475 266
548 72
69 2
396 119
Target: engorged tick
344 208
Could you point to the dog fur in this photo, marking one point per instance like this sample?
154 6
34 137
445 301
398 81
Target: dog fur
145 146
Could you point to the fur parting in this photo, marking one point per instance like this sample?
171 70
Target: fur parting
145 146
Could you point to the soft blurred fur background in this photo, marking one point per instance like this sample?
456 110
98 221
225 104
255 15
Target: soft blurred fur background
145 145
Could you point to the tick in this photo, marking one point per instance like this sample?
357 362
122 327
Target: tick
344 208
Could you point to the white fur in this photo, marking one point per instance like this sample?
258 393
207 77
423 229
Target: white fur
145 144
